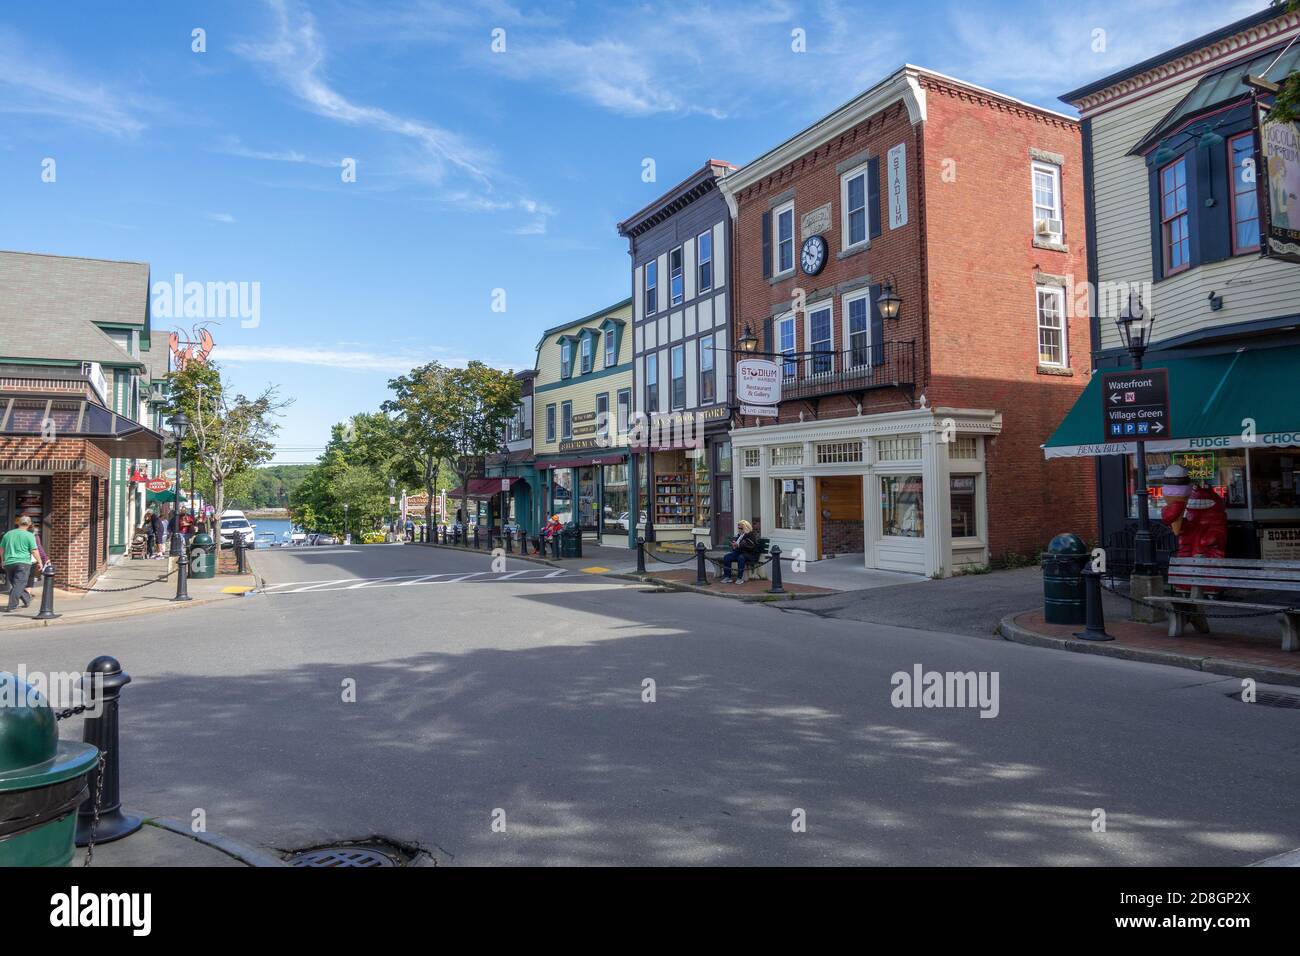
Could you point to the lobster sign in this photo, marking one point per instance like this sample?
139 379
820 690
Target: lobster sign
185 351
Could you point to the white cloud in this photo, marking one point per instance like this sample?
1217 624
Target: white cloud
295 54
39 84
233 146
221 217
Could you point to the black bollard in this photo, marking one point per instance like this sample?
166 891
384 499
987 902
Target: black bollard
240 567
555 546
640 555
183 569
701 576
523 541
47 594
1095 619
776 571
510 541
476 547
102 731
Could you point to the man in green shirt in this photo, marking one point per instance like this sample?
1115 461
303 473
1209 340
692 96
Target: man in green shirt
18 546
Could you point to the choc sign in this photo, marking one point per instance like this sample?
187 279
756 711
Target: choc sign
758 382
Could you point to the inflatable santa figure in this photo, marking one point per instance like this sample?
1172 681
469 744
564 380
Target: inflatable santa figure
1195 514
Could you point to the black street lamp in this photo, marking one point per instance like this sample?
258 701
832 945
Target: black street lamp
748 340
180 426
888 301
1135 323
392 491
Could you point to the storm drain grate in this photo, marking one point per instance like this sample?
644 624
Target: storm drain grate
1270 699
341 856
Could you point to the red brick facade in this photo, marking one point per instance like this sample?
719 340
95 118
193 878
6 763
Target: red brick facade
66 531
966 266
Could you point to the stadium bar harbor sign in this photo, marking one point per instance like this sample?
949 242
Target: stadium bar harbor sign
1135 404
758 387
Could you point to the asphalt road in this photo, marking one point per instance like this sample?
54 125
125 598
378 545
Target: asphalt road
483 695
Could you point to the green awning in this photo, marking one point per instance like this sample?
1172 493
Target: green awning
1213 401
166 497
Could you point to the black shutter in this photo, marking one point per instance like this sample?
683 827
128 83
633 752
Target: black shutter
877 328
873 197
767 336
767 245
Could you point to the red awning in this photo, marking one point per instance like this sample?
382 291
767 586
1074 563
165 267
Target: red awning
480 488
583 462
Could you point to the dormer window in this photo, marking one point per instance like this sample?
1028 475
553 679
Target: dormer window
586 353
611 349
566 358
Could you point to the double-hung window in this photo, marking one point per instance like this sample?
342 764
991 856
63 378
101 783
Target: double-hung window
853 203
566 358
708 376
602 414
550 423
675 287
819 340
1175 237
785 344
1052 345
652 383
1047 202
651 287
566 420
1245 201
611 349
585 351
704 254
679 376
783 249
624 409
857 321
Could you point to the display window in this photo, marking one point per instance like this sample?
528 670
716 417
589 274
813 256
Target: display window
789 494
902 506
616 497
961 503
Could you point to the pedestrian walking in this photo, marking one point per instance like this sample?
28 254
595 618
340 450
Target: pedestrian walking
19 547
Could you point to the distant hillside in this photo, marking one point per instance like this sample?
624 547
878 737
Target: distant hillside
266 487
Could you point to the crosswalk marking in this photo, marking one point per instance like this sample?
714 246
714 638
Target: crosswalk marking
406 580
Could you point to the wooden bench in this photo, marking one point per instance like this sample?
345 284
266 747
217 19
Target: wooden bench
1197 574
753 572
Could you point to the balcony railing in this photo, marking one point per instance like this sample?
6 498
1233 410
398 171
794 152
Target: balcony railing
829 373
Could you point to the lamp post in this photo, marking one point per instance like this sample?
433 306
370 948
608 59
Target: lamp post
180 426
392 490
1135 323
345 522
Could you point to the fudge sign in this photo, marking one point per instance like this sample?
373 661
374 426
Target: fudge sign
758 382
1135 404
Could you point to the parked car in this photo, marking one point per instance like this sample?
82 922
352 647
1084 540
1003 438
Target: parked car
236 524
325 539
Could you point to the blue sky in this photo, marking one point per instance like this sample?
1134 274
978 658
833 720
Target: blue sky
475 170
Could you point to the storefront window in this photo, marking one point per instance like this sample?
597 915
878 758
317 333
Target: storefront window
789 503
1273 483
961 492
703 491
587 498
902 506
616 497
562 494
724 458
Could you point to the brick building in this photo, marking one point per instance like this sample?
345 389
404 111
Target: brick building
77 379
913 440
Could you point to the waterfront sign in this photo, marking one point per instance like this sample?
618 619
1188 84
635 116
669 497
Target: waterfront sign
758 382
1135 404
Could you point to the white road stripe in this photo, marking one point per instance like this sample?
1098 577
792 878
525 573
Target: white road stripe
401 581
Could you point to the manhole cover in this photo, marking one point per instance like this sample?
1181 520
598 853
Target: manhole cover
341 856
1270 699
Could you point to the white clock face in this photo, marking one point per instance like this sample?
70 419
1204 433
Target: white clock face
813 255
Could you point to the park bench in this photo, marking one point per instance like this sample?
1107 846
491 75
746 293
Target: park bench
1241 574
753 572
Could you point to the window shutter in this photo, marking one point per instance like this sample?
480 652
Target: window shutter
877 328
873 197
767 246
767 336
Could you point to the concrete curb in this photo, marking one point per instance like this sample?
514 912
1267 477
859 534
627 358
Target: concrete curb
75 618
248 855
1011 631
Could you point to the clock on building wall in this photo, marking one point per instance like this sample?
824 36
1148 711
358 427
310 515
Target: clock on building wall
813 256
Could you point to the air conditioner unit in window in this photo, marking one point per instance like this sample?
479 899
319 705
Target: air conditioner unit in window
1047 227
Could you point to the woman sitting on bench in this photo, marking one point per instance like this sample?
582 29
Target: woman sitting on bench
744 552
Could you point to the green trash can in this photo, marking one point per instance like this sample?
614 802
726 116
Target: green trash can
42 779
1063 563
571 541
203 556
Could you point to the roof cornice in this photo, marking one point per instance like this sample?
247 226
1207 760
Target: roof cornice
1183 62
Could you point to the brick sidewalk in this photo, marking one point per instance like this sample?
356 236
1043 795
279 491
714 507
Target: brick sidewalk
1234 655
748 589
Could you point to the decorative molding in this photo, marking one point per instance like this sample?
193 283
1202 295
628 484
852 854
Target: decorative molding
1043 156
1202 60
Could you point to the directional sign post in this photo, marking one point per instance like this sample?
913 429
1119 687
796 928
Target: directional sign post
1135 405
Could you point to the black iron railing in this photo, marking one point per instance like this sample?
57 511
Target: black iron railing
828 373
